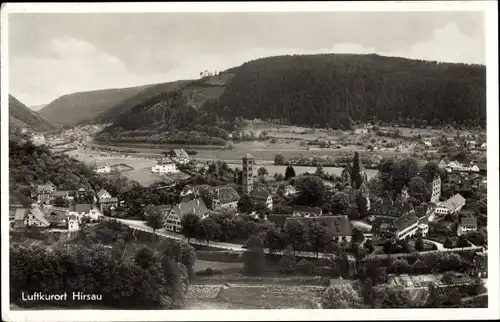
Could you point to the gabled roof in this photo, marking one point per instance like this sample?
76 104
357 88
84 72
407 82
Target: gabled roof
38 214
82 207
454 202
279 220
55 217
180 153
259 194
469 222
101 193
335 225
248 156
20 214
314 210
405 221
59 193
196 206
226 194
44 187
112 199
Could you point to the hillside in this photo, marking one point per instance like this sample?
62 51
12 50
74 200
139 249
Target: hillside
170 113
326 90
21 116
37 107
80 107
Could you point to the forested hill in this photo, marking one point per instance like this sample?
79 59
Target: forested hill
21 116
80 107
327 89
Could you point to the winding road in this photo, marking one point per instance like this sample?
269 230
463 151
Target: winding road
142 226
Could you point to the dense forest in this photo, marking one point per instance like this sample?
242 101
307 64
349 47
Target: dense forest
331 89
168 118
21 116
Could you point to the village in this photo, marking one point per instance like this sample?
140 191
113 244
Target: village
391 227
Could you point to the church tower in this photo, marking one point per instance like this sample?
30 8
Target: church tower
247 173
436 189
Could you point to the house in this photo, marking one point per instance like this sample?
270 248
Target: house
108 203
451 205
73 223
194 191
260 196
442 164
279 220
103 194
83 190
36 218
406 225
42 192
38 139
59 194
483 146
81 209
471 144
466 225
338 226
164 167
474 168
289 190
399 228
300 211
19 217
180 156
56 219
423 228
427 143
173 220
103 169
225 197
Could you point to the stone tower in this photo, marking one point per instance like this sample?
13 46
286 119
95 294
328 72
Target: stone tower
436 189
247 173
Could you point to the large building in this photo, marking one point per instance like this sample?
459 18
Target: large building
174 217
451 205
348 178
339 227
224 197
247 172
164 167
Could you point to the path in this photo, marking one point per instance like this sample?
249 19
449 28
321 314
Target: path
142 226
438 245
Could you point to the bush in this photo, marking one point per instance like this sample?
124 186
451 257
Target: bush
304 266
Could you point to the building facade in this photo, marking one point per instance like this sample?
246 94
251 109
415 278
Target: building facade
247 172
436 189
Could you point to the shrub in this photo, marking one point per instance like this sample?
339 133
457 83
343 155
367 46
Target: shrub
304 266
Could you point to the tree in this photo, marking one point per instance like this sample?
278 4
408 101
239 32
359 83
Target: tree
342 296
208 229
340 203
318 237
288 261
254 257
431 169
319 170
295 234
155 220
419 244
369 245
310 191
305 267
245 204
60 202
417 186
274 240
448 243
279 159
190 226
462 242
356 169
289 172
144 257
262 171
368 291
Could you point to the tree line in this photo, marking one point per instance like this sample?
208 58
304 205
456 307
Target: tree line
332 90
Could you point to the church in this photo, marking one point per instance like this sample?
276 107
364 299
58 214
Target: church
349 179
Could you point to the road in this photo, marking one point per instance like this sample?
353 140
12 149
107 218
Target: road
361 225
438 245
142 226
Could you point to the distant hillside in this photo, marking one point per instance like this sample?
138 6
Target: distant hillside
332 89
37 107
170 113
21 116
79 107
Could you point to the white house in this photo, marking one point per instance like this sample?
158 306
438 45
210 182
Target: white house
73 223
474 168
466 225
427 143
172 220
38 139
103 194
36 218
406 225
259 196
423 228
451 205
483 146
103 169
165 167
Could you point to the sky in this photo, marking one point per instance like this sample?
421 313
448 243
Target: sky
51 55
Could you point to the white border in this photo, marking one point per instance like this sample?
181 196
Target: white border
490 9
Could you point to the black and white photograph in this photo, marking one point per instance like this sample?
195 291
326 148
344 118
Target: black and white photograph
191 159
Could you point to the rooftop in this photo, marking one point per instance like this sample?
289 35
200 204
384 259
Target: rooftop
335 225
306 209
469 222
454 202
195 206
